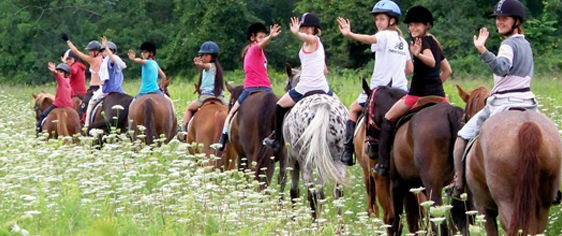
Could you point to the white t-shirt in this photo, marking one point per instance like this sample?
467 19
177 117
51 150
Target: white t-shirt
391 54
312 70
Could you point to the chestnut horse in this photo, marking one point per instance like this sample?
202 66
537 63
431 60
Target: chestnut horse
60 121
205 128
253 122
156 114
513 169
422 153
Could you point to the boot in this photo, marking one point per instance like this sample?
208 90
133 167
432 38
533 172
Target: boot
348 147
275 140
222 141
38 128
458 152
387 137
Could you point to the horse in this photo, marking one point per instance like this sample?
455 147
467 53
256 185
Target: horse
115 108
155 113
60 121
422 153
77 102
205 128
513 168
314 129
253 122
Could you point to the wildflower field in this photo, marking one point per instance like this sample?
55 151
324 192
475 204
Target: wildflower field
47 188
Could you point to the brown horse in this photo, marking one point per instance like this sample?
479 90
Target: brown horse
115 106
60 121
513 169
253 122
156 114
77 102
205 128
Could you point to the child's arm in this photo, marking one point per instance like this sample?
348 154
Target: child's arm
426 56
446 70
198 61
409 67
345 29
75 50
109 52
274 31
137 60
52 67
161 73
295 26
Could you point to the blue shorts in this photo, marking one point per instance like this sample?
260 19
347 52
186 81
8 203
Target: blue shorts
156 92
246 92
296 96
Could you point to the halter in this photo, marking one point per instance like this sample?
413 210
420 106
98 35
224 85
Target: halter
372 126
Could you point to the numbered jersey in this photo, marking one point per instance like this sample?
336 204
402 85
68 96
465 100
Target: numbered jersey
391 54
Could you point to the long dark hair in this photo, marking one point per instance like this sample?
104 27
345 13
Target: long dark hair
219 81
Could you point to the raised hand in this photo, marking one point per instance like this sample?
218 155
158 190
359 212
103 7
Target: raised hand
198 61
480 40
52 67
274 30
344 26
415 48
64 37
295 25
131 54
104 41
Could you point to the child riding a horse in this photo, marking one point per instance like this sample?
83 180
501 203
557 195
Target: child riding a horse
111 75
77 77
94 59
211 83
255 68
313 73
62 97
513 72
428 60
392 62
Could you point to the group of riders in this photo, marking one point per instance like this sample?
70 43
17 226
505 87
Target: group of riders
395 59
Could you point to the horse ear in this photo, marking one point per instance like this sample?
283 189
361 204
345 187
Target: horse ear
288 69
389 83
463 94
366 87
33 95
167 82
43 91
228 87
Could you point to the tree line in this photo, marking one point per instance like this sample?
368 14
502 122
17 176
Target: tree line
30 31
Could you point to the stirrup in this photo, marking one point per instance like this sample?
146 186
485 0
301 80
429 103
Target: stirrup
272 143
380 169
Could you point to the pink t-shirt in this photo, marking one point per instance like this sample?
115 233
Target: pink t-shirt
62 97
255 68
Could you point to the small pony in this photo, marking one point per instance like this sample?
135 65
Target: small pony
314 129
155 113
513 168
60 121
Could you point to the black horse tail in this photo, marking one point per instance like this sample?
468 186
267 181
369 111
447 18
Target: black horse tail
266 125
150 131
455 124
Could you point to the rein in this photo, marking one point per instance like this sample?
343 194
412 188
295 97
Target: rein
372 126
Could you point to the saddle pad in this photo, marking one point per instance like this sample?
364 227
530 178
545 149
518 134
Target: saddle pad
359 126
189 123
230 126
468 147
95 110
426 101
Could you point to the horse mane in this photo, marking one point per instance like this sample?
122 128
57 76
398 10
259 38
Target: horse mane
41 97
476 101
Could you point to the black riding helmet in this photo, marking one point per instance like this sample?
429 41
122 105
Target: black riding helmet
256 28
149 47
511 8
310 19
419 14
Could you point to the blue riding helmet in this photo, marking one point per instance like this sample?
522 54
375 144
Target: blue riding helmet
209 47
388 7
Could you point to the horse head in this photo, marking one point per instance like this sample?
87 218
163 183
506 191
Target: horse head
475 100
293 77
234 93
41 102
163 86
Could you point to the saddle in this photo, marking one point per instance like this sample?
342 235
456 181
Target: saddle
211 100
313 92
422 103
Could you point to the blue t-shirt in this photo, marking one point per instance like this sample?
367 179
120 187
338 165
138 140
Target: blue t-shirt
115 81
149 77
208 81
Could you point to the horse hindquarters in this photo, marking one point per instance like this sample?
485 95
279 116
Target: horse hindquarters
150 132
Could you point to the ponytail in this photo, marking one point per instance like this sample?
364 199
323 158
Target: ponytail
219 81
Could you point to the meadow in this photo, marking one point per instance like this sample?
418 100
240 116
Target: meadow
47 188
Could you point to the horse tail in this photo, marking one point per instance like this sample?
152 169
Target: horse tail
150 131
62 127
526 200
455 116
266 124
315 140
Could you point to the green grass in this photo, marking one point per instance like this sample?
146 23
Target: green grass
50 189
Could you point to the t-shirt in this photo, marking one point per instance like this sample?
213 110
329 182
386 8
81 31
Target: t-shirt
207 86
391 54
255 68
63 96
312 70
114 81
426 80
149 77
77 78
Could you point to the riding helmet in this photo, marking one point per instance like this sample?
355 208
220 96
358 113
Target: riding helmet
64 67
209 47
71 54
310 19
94 45
419 14
255 28
388 7
511 8
112 46
149 47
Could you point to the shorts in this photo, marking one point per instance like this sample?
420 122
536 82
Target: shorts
410 100
156 92
202 98
296 96
362 99
246 92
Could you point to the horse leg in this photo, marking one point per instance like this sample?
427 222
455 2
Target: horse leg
319 195
398 194
434 191
307 179
338 188
282 176
412 212
491 225
295 175
382 184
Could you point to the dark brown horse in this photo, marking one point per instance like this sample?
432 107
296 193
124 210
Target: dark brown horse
253 122
77 102
115 107
60 121
422 153
205 128
513 169
156 114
